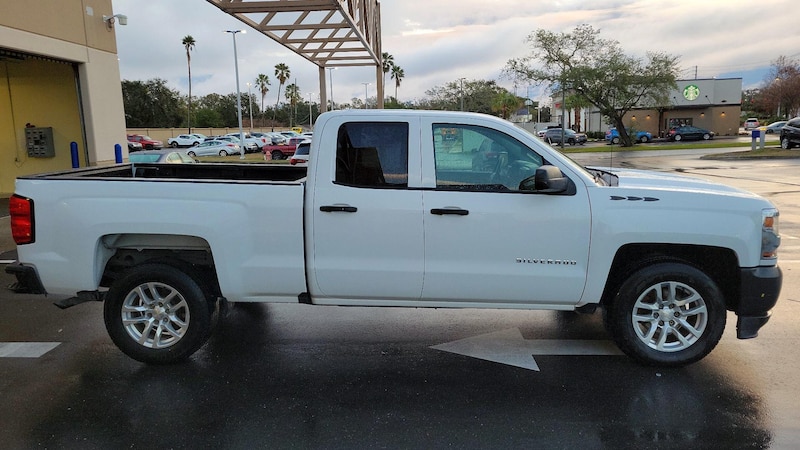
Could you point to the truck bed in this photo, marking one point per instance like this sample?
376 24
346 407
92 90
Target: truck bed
202 171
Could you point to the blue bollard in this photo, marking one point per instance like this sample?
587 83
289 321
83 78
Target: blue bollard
118 153
73 149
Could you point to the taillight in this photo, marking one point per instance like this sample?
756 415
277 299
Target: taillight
21 210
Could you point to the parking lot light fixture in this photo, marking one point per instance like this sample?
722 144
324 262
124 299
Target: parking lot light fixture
238 92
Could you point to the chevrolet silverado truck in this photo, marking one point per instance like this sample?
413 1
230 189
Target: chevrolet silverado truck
390 213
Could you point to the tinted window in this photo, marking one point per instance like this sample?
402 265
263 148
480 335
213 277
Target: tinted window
476 158
372 154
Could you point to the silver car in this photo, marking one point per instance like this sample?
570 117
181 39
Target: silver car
215 147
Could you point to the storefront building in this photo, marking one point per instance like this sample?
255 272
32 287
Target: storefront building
59 88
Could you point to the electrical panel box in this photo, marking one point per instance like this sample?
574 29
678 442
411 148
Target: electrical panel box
39 142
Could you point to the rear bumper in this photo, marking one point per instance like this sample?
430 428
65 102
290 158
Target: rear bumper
28 281
760 289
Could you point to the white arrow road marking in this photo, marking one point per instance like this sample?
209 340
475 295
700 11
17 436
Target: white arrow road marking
25 349
510 348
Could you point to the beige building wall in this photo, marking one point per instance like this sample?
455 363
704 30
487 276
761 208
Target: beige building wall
60 70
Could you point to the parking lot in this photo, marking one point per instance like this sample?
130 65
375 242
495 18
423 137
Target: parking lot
299 376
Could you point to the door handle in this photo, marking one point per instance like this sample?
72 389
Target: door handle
338 208
449 211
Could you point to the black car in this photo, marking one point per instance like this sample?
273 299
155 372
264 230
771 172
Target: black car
790 133
688 132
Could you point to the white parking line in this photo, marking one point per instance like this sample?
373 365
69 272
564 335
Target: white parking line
25 349
6 261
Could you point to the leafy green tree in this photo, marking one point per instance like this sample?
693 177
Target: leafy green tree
151 104
189 43
478 96
598 71
780 94
505 103
208 118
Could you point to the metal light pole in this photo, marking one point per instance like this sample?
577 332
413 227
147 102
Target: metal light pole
310 114
250 105
238 93
365 93
462 93
330 80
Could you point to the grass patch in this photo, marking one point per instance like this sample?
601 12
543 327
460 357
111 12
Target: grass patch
249 158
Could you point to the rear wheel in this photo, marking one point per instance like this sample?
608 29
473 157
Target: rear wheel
615 140
277 155
191 153
667 314
644 139
678 137
157 314
174 144
785 143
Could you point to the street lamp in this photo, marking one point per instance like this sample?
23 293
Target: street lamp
310 114
250 105
462 92
330 78
365 93
238 93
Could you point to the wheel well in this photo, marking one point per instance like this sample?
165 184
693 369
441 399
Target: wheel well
199 264
718 263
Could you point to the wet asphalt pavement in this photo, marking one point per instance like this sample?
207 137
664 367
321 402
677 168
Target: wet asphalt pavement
298 376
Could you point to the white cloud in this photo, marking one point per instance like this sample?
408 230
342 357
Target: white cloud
436 42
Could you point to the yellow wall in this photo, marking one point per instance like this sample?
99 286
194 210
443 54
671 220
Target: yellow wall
44 94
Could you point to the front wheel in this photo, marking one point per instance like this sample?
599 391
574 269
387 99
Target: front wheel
667 314
174 144
223 153
706 136
615 140
157 314
678 137
277 155
644 139
785 143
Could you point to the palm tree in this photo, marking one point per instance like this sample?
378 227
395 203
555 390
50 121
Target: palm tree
293 95
188 43
397 76
388 63
282 73
262 83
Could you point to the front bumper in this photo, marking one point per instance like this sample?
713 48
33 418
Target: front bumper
28 281
760 288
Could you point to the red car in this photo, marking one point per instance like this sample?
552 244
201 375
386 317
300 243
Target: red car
147 142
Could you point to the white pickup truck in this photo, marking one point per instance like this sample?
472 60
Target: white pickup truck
409 209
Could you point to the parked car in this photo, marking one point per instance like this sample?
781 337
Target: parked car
264 138
147 142
612 136
134 147
184 140
161 156
215 147
775 127
553 136
249 147
251 144
790 133
751 124
290 133
688 132
301 153
296 140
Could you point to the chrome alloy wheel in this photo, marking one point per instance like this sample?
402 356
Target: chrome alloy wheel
155 315
669 316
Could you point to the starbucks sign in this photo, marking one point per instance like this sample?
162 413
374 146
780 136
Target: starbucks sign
691 92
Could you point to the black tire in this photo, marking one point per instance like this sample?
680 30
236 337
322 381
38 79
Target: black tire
785 144
195 144
157 314
615 140
706 136
644 140
191 153
277 155
676 326
174 144
571 141
223 153
677 137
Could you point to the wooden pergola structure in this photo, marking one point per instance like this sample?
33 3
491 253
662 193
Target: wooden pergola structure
328 33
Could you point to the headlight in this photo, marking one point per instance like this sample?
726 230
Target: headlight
770 235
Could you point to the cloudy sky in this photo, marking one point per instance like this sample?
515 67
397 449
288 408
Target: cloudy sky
438 41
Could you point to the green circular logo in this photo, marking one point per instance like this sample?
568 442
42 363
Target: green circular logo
691 92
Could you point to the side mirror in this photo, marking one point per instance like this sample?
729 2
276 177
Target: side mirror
546 180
